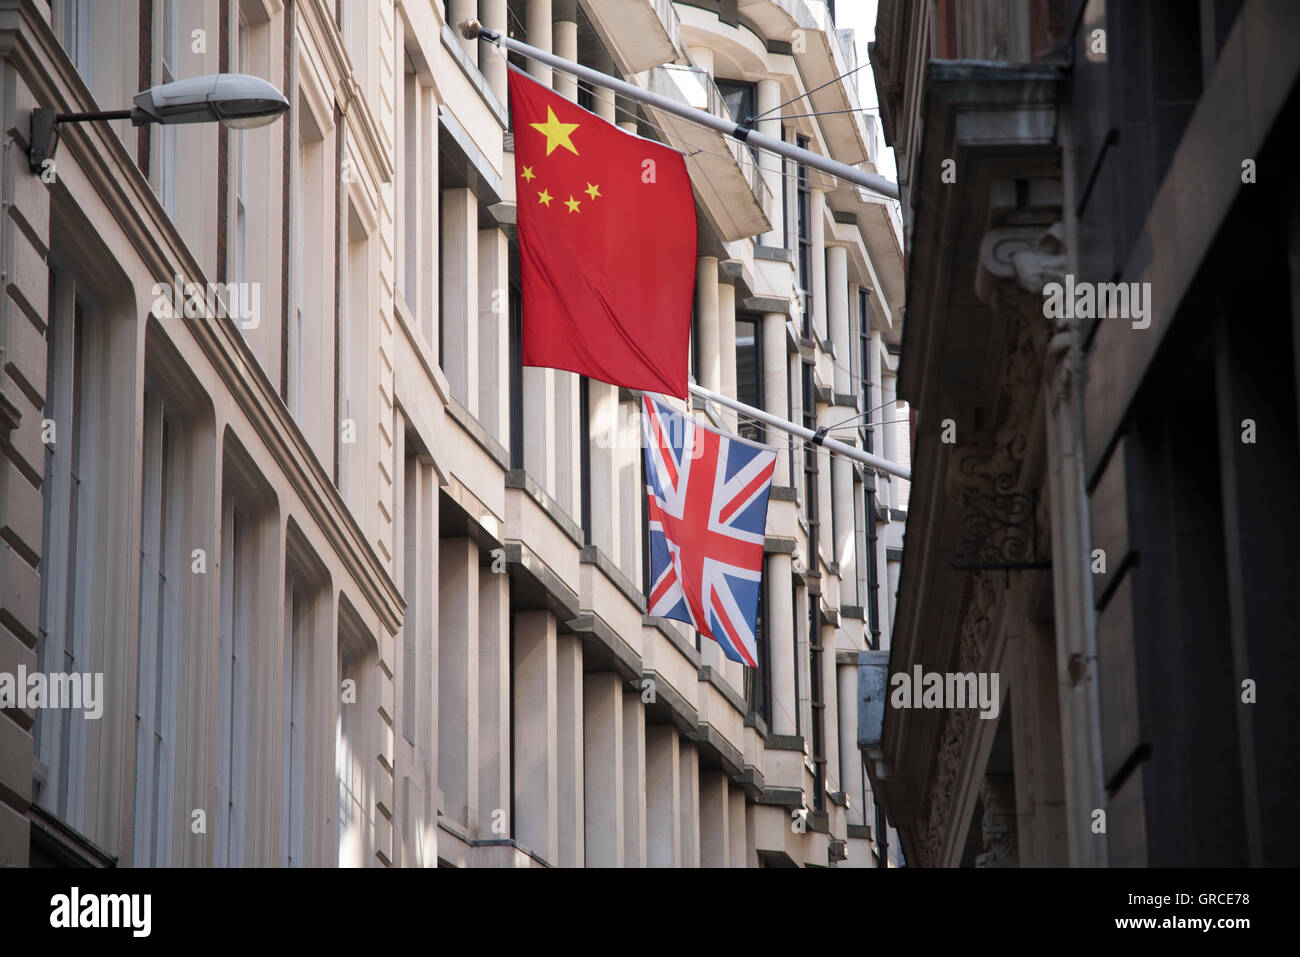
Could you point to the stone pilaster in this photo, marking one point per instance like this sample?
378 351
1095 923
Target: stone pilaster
458 678
663 796
603 743
536 734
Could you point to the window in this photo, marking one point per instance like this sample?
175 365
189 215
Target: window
354 18
864 371
407 190
795 651
161 568
293 749
419 502
307 221
241 162
749 373
351 808
233 703
804 209
792 365
810 467
757 697
695 342
816 702
417 209
785 198
873 582
352 360
584 457
351 743
443 311
741 100
516 307
78 27
311 340
170 135
63 643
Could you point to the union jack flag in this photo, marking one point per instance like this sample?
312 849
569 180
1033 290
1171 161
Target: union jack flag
707 498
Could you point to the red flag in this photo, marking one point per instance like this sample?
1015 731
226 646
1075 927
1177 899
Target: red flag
606 245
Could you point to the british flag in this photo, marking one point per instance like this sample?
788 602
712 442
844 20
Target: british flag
707 498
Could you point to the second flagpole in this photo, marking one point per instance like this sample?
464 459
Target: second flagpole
817 438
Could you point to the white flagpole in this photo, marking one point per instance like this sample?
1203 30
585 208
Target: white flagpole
746 134
817 438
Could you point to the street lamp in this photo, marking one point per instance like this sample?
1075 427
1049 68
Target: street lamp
233 99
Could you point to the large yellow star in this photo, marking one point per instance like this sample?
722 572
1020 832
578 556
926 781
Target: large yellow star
592 190
572 204
544 198
528 173
556 133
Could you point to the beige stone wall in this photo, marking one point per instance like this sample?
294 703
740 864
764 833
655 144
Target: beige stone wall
358 612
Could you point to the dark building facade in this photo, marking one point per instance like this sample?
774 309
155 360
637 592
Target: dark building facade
1103 252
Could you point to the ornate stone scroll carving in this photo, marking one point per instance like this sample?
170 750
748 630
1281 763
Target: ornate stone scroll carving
998 795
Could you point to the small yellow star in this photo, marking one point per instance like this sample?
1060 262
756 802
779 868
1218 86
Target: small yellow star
592 191
528 174
556 133
572 204
544 198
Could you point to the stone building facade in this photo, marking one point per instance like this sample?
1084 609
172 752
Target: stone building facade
1101 302
361 588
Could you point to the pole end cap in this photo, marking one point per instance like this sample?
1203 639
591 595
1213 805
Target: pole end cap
470 29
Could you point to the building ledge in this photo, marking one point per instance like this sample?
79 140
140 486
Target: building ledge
777 254
668 631
780 797
474 75
549 591
710 675
778 545
751 780
710 740
624 659
783 493
592 555
475 430
521 480
670 703
786 742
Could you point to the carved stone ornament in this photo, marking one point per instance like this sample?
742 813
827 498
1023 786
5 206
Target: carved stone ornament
1001 849
976 629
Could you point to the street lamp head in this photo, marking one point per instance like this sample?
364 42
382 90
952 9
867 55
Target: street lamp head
233 99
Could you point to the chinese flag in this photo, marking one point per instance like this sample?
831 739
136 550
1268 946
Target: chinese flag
606 245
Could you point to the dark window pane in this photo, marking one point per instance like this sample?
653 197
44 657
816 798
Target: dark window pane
749 374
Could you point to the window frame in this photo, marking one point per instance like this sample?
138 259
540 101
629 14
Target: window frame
162 486
803 210
63 633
